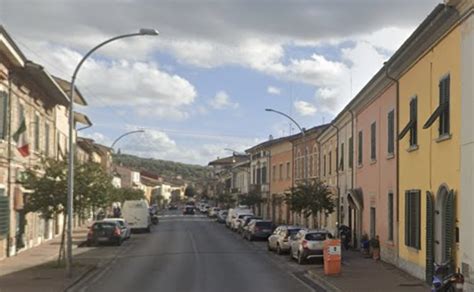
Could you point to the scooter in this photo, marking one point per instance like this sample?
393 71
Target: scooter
444 281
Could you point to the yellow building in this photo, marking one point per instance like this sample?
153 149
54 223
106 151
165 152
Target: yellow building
429 141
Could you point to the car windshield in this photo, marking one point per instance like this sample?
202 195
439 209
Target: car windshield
317 236
293 231
263 224
104 225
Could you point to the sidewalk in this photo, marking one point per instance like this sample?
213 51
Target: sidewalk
36 270
363 274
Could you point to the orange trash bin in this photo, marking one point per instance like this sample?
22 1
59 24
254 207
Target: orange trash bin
332 256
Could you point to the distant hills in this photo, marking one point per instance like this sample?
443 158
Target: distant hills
169 170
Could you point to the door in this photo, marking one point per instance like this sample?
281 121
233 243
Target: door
372 222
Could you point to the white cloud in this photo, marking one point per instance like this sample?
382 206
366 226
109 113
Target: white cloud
223 101
274 90
304 108
142 86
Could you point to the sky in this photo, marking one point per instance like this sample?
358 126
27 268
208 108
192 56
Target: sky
203 84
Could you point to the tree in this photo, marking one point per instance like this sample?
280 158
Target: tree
125 194
189 192
251 199
311 198
48 185
225 199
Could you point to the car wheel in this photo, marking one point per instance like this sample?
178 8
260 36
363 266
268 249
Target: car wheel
148 229
301 259
279 252
250 237
269 247
119 242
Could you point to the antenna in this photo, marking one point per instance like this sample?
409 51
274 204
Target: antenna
351 82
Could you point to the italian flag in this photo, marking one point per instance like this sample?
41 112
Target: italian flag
21 140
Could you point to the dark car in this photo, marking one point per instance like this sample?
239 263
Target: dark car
188 210
258 229
105 232
172 207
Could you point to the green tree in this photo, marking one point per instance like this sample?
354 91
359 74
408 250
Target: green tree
311 198
125 194
225 199
251 199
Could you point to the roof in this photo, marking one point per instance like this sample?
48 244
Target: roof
229 160
272 142
310 131
82 118
66 86
9 48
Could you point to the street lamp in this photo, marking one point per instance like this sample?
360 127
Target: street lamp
125 134
70 185
305 172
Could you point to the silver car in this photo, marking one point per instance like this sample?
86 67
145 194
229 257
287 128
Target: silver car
308 244
279 241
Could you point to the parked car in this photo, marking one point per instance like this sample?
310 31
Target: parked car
213 212
124 228
172 207
280 238
243 226
258 229
136 213
308 244
104 232
233 213
222 216
237 218
188 210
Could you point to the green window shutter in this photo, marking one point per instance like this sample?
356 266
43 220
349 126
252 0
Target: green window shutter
449 228
417 203
359 159
390 132
351 152
373 141
3 114
429 237
4 216
407 218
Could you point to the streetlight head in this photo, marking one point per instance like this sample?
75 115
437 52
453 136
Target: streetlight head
268 110
148 31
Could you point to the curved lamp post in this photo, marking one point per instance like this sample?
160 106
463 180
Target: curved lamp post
305 172
125 134
70 185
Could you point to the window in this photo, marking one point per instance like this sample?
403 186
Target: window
390 216
288 169
373 141
259 176
372 223
274 172
341 164
351 152
264 174
281 171
3 114
390 132
324 165
37 132
311 165
442 111
330 162
359 150
412 218
46 139
412 124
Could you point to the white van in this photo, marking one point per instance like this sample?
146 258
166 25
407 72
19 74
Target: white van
137 215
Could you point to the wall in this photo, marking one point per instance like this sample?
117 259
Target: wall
281 153
429 166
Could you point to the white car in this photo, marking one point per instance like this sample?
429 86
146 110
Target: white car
232 214
213 212
124 228
279 241
239 216
308 244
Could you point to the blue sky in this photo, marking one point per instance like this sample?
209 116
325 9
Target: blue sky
203 84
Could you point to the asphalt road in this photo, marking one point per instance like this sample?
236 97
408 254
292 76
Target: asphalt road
193 253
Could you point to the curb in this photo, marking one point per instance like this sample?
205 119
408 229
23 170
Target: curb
81 277
325 284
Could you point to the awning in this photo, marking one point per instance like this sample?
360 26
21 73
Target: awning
356 197
82 118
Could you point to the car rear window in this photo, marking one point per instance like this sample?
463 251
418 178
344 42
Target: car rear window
263 224
293 231
316 236
105 225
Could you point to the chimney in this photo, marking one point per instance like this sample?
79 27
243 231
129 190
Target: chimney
270 137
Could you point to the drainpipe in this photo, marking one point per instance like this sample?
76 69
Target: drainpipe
337 178
352 135
397 146
9 155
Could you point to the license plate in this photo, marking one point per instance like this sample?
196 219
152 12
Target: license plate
103 239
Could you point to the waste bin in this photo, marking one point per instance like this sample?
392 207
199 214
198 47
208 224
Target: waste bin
332 256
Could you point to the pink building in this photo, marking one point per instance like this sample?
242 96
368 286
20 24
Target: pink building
371 205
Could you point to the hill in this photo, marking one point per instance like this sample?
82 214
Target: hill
169 170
